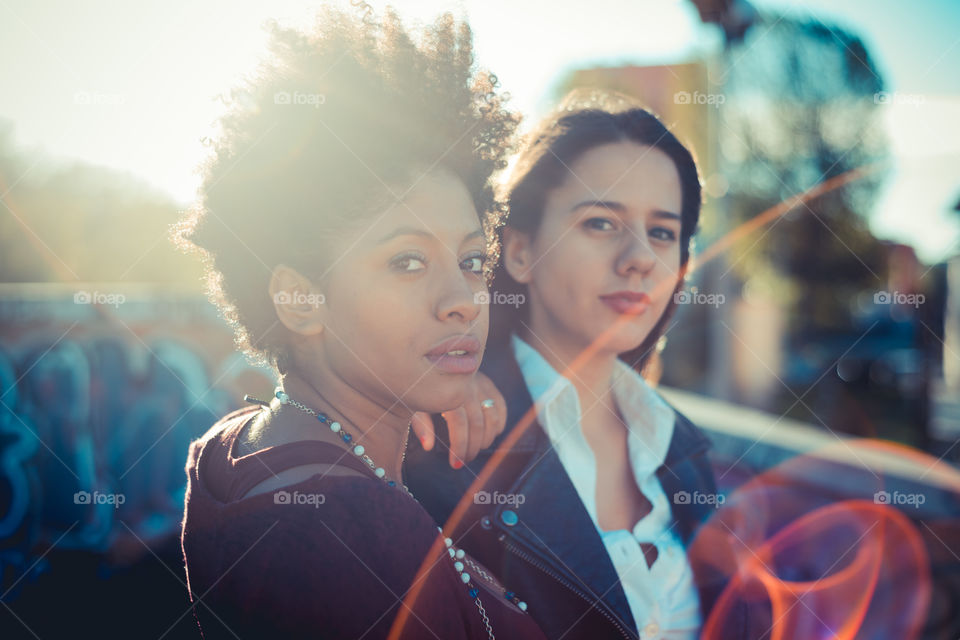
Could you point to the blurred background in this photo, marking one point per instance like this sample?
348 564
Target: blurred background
823 313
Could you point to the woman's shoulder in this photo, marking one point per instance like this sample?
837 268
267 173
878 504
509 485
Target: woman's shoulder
220 431
334 556
228 469
363 509
232 419
345 548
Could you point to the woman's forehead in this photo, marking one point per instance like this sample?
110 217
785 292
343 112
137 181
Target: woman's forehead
436 205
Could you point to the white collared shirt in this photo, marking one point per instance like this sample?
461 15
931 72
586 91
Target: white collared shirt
662 598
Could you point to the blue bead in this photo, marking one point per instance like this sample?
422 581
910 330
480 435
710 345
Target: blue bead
347 437
391 483
509 595
321 417
474 592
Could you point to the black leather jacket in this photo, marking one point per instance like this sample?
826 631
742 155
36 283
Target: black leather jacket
547 549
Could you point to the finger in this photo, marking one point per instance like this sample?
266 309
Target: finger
499 411
489 425
422 425
458 427
495 416
502 414
476 430
491 419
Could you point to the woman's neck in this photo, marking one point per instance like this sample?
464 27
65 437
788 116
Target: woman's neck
589 370
381 431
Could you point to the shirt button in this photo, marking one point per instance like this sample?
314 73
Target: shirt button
651 629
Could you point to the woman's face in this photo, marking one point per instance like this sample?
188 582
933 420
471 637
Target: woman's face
404 287
607 251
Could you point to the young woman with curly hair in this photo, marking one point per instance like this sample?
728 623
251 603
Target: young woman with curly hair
344 223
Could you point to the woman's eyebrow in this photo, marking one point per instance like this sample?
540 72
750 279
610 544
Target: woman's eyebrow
619 208
404 231
660 213
616 207
473 234
414 231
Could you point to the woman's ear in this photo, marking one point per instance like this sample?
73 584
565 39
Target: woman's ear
517 254
298 304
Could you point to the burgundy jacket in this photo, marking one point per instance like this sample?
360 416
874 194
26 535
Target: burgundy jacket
328 557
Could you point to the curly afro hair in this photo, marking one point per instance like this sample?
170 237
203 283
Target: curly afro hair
333 128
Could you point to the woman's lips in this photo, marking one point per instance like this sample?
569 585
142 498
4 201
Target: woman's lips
458 354
627 302
467 363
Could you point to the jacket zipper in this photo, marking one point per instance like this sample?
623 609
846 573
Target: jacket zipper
522 554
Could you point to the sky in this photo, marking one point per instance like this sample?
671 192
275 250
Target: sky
134 86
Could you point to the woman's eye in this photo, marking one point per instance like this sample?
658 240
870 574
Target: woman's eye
662 233
474 263
408 263
599 224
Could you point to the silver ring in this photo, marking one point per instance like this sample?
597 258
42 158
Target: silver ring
488 403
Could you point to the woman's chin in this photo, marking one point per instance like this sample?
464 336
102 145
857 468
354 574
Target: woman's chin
440 398
626 337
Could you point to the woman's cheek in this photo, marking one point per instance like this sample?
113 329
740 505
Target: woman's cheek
483 322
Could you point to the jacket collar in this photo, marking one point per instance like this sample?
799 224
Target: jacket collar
562 537
500 365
